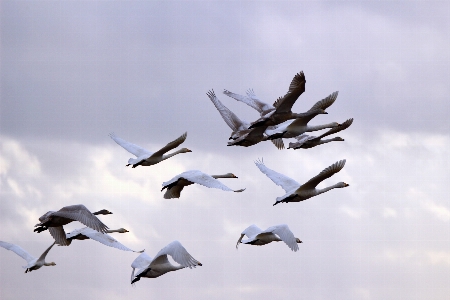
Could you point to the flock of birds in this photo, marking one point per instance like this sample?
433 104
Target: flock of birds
276 122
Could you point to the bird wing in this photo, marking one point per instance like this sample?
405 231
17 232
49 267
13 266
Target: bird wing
285 235
132 148
81 214
227 115
326 102
18 250
251 99
43 255
173 144
326 173
205 180
288 184
278 143
178 253
173 192
141 262
301 139
59 235
296 88
105 239
342 126
252 231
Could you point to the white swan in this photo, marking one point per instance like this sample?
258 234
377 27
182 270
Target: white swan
54 221
305 141
32 263
89 233
160 265
254 136
277 233
176 184
296 192
252 100
147 158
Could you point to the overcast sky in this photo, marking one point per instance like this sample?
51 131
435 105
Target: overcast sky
74 71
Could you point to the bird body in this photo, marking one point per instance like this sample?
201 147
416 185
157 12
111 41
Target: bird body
176 184
276 233
160 265
32 263
296 192
147 158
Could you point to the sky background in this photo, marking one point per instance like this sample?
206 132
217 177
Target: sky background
74 71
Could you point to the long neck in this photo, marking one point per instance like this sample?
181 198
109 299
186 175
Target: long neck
222 176
320 127
48 264
326 141
113 230
166 156
324 190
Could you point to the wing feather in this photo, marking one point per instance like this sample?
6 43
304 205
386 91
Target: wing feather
18 250
227 115
104 239
288 184
296 88
326 173
326 102
251 100
341 127
173 144
59 235
285 235
132 148
178 253
81 214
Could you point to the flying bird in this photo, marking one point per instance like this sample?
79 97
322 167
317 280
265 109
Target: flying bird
86 233
160 265
306 141
54 221
277 233
176 184
296 192
32 263
147 158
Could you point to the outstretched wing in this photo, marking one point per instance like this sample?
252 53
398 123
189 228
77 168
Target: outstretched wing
171 145
104 238
285 235
227 115
132 148
278 143
301 139
296 88
343 126
288 184
326 173
205 180
178 253
18 250
251 100
141 262
81 214
326 102
59 235
43 255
